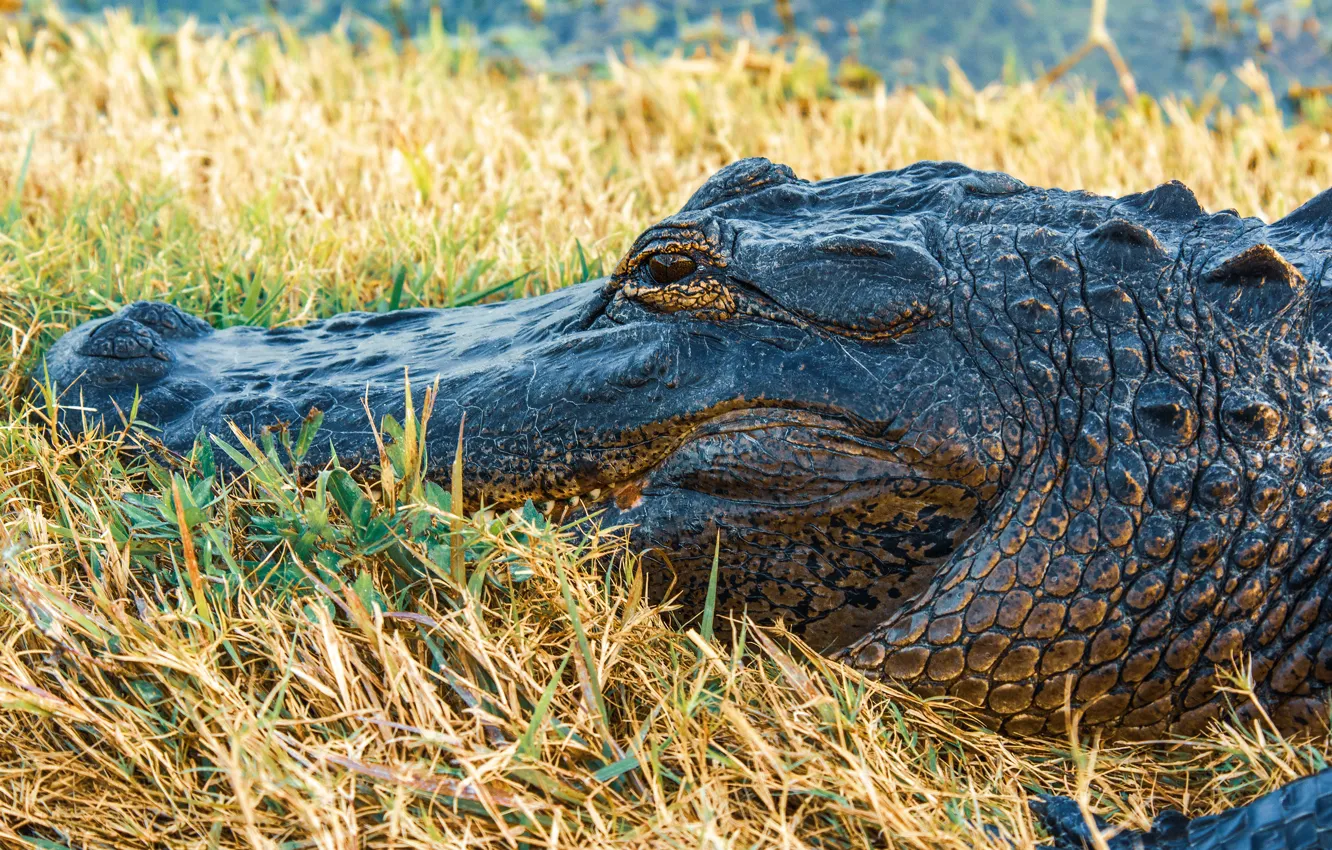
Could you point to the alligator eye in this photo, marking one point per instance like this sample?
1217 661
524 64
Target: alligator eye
670 268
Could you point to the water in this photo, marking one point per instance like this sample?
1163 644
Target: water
1174 47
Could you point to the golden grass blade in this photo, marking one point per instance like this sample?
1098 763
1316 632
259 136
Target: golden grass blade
191 558
457 554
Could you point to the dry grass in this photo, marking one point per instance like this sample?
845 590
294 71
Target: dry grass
314 669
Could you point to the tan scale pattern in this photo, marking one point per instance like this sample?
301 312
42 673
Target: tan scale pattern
1164 530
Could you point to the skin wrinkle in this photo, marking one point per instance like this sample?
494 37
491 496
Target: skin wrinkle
1031 277
975 351
991 479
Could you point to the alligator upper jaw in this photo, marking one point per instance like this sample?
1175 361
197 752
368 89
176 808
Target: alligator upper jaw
553 400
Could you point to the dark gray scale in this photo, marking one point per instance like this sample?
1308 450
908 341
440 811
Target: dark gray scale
1166 413
124 339
1297 816
1250 417
1254 285
1173 202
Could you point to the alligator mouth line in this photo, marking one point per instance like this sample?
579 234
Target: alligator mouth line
626 491
748 441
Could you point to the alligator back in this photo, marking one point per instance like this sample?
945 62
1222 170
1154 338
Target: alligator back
1167 516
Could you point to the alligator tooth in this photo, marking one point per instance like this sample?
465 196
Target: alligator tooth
594 495
576 501
548 506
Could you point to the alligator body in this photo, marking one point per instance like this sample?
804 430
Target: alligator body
1295 817
1031 448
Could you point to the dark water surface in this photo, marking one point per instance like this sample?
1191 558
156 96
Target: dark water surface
1173 46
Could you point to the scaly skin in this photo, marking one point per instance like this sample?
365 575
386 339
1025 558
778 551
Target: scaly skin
1295 817
1035 449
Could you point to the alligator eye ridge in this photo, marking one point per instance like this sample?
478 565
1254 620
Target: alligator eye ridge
671 268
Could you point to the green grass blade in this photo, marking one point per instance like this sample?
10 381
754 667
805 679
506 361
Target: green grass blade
486 293
15 205
710 604
614 771
399 278
527 743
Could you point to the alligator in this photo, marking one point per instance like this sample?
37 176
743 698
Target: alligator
1062 457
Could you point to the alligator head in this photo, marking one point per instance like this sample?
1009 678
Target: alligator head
1023 446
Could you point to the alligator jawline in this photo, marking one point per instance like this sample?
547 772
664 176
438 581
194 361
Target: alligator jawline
627 491
802 462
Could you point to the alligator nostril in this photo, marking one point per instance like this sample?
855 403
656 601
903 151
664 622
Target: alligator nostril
671 268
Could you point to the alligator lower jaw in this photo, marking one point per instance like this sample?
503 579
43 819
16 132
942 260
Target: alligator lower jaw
627 490
752 457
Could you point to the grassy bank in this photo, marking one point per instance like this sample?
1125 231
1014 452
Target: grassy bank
187 663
